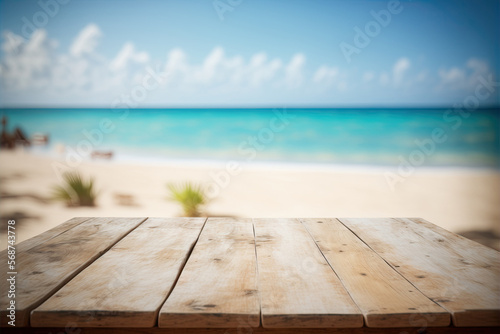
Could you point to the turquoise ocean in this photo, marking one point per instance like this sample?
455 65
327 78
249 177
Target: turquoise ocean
373 137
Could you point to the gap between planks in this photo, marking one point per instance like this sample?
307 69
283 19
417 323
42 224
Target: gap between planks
388 263
298 287
385 297
27 302
458 274
218 285
156 252
255 249
257 272
181 270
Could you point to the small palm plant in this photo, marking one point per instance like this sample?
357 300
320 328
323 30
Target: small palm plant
190 196
76 191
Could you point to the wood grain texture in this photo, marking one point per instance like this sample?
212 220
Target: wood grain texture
458 274
43 237
218 286
254 330
126 286
385 297
297 286
44 268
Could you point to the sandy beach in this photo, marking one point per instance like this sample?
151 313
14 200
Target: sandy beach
459 200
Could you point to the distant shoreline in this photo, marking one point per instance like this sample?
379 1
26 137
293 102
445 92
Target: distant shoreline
149 160
326 138
183 107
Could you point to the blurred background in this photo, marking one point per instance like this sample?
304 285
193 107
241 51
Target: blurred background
250 109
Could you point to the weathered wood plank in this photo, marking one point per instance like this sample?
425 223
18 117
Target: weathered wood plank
42 237
463 245
126 286
385 297
44 268
297 286
255 330
458 274
218 286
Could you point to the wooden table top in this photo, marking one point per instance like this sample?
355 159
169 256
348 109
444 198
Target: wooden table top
254 274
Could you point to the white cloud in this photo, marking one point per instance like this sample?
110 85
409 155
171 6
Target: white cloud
81 74
261 70
87 40
222 71
176 62
465 77
394 77
478 66
27 63
126 55
399 69
34 66
12 42
325 74
453 77
212 65
293 71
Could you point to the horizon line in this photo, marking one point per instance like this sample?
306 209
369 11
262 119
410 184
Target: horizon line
497 106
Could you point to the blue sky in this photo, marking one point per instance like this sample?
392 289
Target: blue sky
248 53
